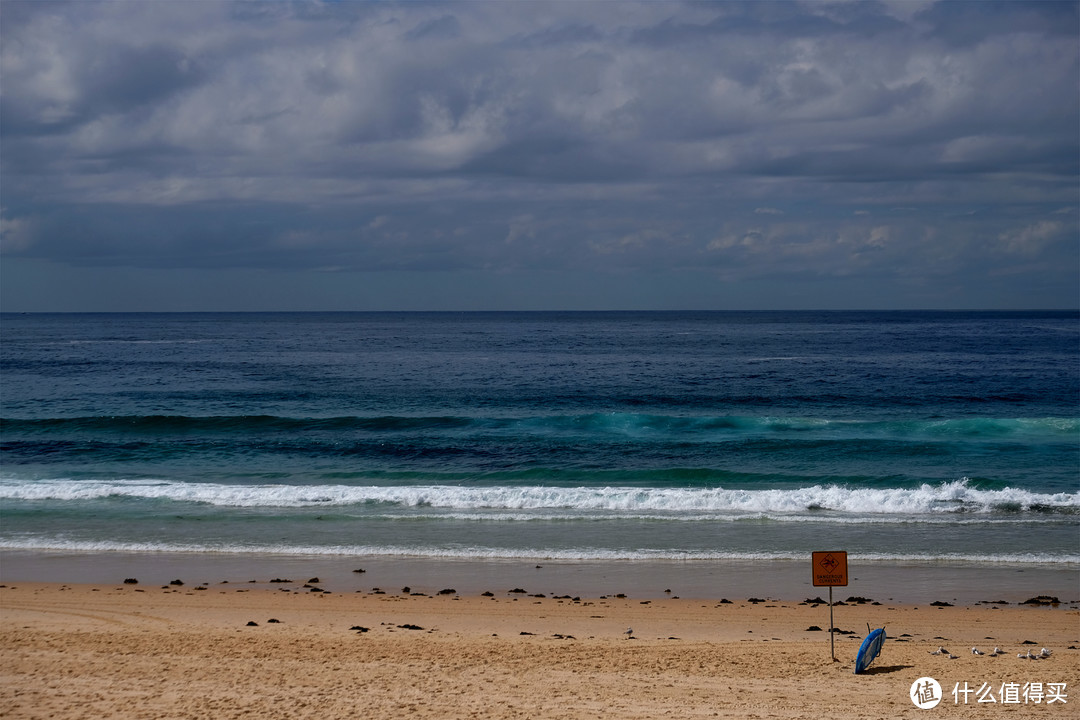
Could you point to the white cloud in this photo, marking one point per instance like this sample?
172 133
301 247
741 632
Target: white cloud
522 227
15 233
1031 239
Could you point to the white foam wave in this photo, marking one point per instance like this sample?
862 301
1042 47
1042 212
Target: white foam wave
952 520
954 497
491 553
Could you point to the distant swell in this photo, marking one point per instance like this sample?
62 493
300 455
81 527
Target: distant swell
702 427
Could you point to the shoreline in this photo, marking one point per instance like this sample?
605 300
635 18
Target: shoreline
903 583
229 651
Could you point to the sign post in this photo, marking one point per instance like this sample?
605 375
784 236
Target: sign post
830 569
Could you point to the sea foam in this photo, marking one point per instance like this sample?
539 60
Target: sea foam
503 553
952 497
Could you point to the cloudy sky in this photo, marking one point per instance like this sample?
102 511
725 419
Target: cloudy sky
167 155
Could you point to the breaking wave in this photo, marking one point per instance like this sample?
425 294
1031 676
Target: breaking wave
960 496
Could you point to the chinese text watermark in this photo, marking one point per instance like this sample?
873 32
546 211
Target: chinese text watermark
926 693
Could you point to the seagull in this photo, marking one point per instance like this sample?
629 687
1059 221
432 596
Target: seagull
1027 656
997 651
629 632
977 651
951 656
939 651
1045 653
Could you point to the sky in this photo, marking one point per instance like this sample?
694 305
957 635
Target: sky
198 156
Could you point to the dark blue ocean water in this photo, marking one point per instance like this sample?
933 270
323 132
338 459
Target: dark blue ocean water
951 437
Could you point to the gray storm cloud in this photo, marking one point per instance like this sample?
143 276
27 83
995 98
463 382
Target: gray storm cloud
758 140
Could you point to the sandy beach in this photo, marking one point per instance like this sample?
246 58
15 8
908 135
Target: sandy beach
294 650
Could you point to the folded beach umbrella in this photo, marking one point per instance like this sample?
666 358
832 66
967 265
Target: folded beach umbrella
869 649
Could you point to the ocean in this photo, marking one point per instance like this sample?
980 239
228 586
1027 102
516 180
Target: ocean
940 438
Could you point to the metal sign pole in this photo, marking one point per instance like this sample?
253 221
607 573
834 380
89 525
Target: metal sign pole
829 569
832 635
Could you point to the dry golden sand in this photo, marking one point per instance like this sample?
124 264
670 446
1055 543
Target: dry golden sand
179 652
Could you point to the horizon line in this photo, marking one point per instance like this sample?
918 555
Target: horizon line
546 311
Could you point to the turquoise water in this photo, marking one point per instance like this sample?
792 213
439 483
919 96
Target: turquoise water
929 437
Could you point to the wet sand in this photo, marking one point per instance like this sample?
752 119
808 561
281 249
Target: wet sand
282 650
909 583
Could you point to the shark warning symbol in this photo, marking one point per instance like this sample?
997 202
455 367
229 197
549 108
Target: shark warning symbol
830 568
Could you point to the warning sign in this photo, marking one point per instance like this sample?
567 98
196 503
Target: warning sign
830 568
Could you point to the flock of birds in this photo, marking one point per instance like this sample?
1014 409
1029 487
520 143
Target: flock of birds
1041 655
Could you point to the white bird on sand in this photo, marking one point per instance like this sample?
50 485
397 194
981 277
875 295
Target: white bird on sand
951 656
977 651
629 632
1045 653
1027 656
939 651
997 651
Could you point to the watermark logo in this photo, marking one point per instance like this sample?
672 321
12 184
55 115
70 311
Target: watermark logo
926 693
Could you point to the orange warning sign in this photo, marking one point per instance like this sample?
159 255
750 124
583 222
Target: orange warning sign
830 568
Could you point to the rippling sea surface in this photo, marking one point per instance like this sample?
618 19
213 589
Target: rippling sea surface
929 437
